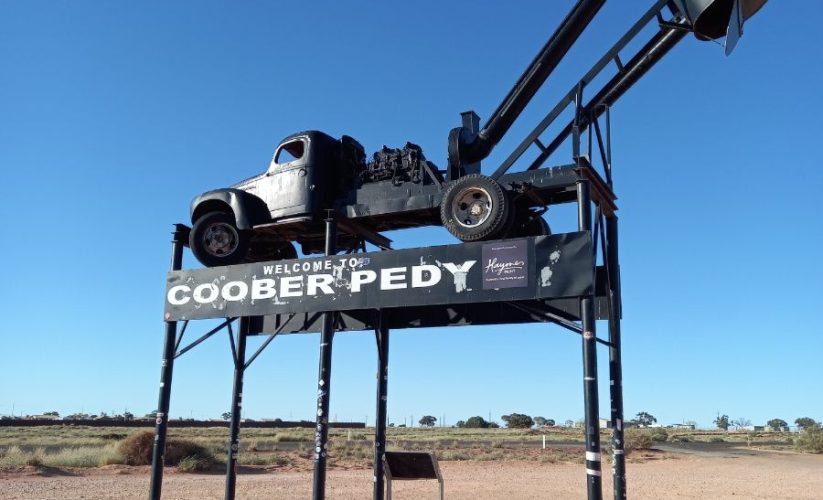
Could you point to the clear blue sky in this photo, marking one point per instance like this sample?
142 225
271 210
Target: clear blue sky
115 116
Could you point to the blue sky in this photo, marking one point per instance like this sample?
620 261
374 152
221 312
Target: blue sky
116 115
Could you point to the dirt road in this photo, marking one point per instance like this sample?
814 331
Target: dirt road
763 475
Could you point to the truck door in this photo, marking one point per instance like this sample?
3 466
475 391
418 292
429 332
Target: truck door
286 188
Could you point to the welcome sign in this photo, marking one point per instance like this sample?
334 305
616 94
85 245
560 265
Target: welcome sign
528 268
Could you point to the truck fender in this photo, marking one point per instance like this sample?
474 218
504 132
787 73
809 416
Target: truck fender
248 210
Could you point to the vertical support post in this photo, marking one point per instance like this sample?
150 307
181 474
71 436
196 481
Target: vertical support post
578 109
166 366
615 360
608 166
590 396
321 435
236 408
382 334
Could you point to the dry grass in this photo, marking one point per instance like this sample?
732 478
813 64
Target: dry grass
78 446
74 456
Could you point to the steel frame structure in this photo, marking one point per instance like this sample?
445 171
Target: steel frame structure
596 213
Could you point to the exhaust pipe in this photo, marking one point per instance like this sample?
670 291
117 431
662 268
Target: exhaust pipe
471 147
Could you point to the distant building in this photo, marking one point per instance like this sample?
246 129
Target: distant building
43 417
683 426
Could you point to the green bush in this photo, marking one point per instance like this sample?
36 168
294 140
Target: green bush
659 435
810 440
636 439
179 449
194 463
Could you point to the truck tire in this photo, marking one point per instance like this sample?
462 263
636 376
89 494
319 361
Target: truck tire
216 241
270 251
475 207
529 225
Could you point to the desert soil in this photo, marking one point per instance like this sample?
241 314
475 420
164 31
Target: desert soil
760 475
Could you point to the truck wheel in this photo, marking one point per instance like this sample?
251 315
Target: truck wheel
474 208
286 252
530 225
266 251
216 241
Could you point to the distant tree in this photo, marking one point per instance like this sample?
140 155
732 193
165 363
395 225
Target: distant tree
645 419
569 423
51 414
741 422
550 422
476 423
722 422
777 424
460 424
226 415
805 423
402 425
540 421
494 425
391 424
518 421
427 421
128 416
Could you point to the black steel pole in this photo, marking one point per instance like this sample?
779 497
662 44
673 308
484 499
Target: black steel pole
615 360
321 435
591 403
382 334
651 53
162 417
236 408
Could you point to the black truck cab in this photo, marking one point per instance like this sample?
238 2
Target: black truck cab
296 182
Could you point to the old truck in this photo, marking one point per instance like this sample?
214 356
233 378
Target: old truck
313 176
311 172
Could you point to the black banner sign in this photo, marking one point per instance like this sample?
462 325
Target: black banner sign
554 266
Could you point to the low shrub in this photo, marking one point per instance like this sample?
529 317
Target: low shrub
810 440
659 435
292 437
194 463
13 456
452 455
178 449
79 456
137 450
636 439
